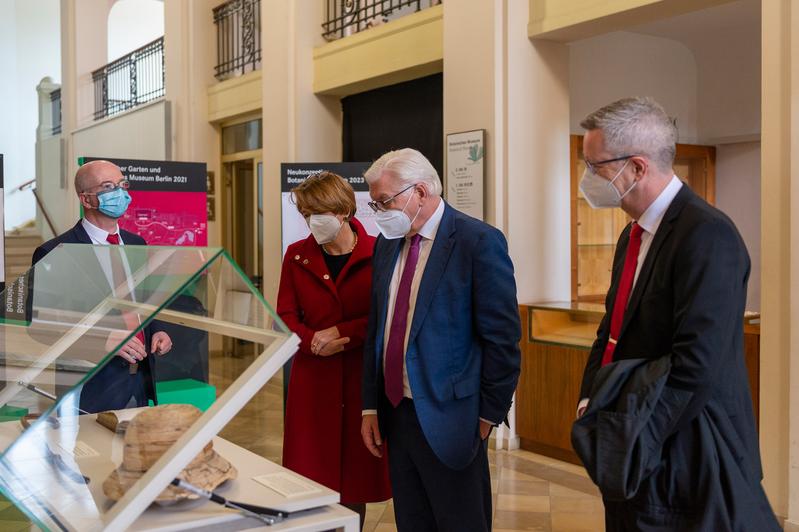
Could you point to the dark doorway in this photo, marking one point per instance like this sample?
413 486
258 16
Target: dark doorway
405 115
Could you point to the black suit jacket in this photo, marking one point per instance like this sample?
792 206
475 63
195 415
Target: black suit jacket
78 235
620 439
688 304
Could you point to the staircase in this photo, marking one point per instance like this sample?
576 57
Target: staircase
19 246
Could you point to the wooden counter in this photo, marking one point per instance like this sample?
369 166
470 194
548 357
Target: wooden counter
555 344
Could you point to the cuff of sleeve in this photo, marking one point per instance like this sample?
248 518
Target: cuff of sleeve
493 424
369 413
582 404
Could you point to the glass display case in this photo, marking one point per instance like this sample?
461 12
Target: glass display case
566 323
67 325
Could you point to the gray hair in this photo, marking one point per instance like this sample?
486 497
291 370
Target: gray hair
405 166
636 126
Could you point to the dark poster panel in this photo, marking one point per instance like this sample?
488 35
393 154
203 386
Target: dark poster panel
169 201
405 115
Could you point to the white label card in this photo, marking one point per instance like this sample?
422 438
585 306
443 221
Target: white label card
81 449
287 484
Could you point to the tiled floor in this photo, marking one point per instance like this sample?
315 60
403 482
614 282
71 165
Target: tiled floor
531 492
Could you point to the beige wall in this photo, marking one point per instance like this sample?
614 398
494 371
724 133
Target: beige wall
738 195
143 133
369 59
621 64
568 20
474 86
189 58
539 226
298 125
779 421
83 49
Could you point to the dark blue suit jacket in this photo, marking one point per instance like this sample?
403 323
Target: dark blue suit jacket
463 348
111 387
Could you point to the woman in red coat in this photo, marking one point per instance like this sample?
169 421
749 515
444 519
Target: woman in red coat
324 297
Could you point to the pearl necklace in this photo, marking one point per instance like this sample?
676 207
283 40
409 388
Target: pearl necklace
354 243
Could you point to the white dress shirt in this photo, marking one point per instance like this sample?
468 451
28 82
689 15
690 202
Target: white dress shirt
650 222
99 237
428 233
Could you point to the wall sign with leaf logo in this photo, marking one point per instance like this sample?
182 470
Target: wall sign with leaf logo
465 171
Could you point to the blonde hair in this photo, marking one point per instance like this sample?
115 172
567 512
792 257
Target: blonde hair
324 192
407 166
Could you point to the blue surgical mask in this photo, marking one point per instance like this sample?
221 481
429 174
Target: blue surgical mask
114 203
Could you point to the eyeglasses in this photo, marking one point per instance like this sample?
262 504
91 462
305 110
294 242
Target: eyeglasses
593 166
109 186
381 205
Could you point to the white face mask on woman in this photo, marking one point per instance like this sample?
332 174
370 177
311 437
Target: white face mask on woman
324 227
599 192
395 224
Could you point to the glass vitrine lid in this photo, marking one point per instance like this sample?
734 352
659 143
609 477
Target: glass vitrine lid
116 329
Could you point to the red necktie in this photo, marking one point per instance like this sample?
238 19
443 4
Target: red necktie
623 291
395 349
119 278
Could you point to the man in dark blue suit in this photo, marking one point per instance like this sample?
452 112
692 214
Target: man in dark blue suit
441 359
127 380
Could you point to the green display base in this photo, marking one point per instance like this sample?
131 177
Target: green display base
12 413
185 392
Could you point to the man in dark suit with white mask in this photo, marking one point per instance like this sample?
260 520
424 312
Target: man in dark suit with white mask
678 290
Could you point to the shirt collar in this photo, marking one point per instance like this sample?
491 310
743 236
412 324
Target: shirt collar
430 228
653 215
99 236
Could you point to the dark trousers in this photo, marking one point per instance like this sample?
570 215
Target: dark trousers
112 388
428 495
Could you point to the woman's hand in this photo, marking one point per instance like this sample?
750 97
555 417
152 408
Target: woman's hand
333 347
322 338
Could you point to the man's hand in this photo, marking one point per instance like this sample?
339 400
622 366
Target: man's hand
485 429
581 411
133 351
321 338
333 347
370 432
161 343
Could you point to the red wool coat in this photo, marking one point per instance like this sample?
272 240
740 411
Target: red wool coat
322 436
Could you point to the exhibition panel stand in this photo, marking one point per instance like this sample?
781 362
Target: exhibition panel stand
78 306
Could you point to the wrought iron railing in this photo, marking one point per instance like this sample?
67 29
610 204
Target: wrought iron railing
345 17
238 37
55 108
131 80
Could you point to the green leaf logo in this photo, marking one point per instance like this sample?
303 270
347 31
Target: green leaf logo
475 153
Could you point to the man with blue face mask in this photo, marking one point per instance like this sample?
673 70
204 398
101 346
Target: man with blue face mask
441 356
128 379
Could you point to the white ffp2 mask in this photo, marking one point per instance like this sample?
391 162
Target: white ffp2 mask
599 192
324 227
395 224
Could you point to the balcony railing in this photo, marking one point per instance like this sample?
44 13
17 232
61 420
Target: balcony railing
131 80
55 108
345 17
238 37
